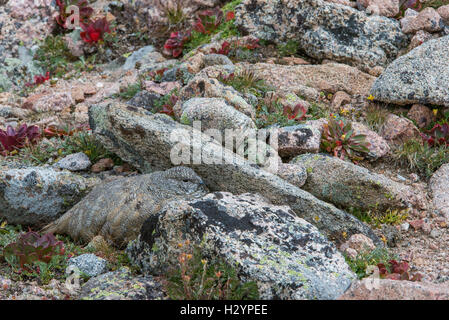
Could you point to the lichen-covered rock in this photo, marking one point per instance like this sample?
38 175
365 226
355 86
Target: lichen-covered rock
116 210
149 143
324 30
143 56
216 59
286 256
295 140
74 162
350 186
39 195
89 264
438 187
122 285
215 114
201 86
420 76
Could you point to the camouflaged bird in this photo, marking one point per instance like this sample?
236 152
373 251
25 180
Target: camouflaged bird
116 210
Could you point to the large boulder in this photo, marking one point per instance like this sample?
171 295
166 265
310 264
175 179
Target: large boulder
350 186
324 30
420 76
286 256
329 77
116 210
157 142
39 195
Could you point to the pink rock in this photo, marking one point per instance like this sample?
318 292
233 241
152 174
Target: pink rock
398 130
387 8
443 11
378 146
417 224
359 243
384 289
428 20
419 38
422 115
340 98
163 88
43 102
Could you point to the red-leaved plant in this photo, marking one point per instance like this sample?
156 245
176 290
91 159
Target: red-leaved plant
31 247
225 48
175 44
14 139
84 12
438 135
208 21
397 271
293 113
168 107
39 79
94 31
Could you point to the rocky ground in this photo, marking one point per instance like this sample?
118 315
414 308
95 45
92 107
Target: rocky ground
345 198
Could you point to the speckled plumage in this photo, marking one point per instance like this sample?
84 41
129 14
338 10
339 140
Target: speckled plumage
116 210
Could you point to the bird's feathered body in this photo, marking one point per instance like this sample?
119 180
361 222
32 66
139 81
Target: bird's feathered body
116 210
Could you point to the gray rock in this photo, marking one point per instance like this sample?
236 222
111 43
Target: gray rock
122 285
324 30
142 56
214 114
350 186
74 162
150 143
204 87
285 255
116 210
438 186
420 76
293 173
13 112
39 195
89 264
295 140
216 59
144 99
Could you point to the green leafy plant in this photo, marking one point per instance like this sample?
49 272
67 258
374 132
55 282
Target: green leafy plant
364 259
130 91
196 278
340 140
288 49
245 81
420 157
